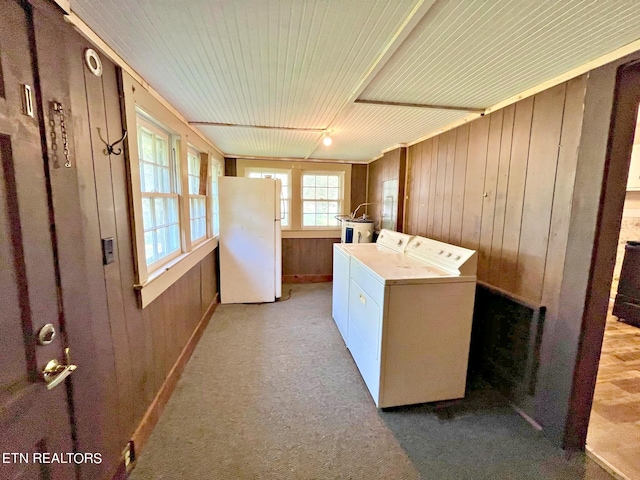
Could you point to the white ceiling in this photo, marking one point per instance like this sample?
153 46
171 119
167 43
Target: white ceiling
301 64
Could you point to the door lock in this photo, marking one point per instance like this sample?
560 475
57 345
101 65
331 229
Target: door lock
47 334
55 372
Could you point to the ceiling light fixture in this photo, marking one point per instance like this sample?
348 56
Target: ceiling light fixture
327 140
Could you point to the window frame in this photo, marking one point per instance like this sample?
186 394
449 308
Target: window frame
144 122
138 101
193 151
341 199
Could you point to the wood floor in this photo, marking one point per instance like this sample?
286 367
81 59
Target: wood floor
614 428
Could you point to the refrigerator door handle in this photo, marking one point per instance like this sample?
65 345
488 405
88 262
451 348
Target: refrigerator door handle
278 258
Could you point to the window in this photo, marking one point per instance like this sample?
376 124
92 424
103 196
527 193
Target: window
160 200
216 171
285 198
322 196
197 197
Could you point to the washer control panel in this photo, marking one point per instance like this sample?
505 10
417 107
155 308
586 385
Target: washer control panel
451 258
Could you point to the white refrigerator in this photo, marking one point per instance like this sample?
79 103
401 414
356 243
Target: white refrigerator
250 240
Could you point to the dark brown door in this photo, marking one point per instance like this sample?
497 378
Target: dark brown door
35 424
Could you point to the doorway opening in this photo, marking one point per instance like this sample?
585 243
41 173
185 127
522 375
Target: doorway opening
613 436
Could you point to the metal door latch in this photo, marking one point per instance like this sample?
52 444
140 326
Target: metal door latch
55 372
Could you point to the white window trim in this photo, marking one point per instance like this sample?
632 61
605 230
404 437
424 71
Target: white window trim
143 121
203 157
152 283
341 200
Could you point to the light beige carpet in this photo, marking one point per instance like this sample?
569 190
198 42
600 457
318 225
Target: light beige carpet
271 392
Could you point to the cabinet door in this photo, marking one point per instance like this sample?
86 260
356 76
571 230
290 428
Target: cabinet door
340 301
364 336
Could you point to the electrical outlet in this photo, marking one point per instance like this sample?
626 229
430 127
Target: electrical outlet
129 456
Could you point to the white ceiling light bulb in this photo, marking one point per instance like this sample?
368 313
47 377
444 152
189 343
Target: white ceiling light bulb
327 140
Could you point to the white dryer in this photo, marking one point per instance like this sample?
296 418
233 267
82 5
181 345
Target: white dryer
409 320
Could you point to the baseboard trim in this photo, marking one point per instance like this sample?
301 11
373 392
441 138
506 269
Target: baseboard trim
307 278
152 415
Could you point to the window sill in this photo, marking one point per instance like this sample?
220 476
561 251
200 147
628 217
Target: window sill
312 233
165 276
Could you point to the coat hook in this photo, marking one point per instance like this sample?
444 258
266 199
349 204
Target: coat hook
110 150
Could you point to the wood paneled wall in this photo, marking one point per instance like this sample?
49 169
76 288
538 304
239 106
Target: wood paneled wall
132 350
390 166
358 186
502 185
307 260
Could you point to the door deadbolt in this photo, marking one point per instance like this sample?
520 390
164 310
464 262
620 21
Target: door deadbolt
47 334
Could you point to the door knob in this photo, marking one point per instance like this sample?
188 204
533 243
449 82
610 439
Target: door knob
55 372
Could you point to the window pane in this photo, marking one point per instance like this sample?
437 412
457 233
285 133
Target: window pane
321 181
308 193
309 207
162 157
161 237
334 193
149 247
174 238
322 193
322 219
308 181
308 219
145 145
147 214
160 211
334 181
148 178
172 210
164 178
334 207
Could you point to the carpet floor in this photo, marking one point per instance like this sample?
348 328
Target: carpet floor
271 392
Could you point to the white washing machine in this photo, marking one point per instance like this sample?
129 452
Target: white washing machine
388 242
409 316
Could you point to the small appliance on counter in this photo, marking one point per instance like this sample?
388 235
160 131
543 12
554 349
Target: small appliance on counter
356 229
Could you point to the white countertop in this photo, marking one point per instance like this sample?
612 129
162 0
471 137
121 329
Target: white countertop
391 268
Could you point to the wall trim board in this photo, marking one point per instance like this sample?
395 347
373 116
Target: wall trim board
307 278
173 271
152 415
333 233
